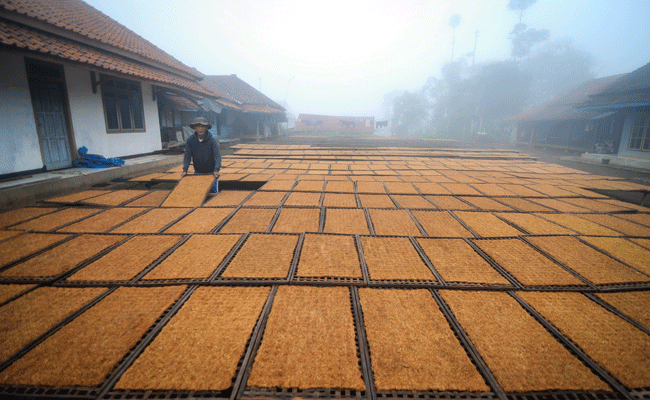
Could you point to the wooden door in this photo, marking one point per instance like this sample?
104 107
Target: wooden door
49 101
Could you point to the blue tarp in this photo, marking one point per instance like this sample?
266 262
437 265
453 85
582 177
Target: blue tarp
86 160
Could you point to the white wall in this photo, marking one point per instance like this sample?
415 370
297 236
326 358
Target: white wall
20 149
90 128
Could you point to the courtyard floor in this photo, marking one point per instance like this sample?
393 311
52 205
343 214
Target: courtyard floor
332 272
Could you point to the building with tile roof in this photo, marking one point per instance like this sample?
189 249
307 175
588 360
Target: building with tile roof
247 112
313 123
608 115
73 77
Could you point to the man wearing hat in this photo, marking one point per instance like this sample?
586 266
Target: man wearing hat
203 150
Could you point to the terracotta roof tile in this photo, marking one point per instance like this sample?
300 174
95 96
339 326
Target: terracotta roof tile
24 38
82 19
239 92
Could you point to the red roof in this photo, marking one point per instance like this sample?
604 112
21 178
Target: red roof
79 21
21 37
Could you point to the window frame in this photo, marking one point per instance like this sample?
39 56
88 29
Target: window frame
122 89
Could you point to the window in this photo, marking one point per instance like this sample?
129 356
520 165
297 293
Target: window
122 104
640 135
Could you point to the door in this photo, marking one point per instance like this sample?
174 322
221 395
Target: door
49 100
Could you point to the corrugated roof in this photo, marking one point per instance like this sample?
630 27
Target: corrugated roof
21 37
561 107
76 18
236 90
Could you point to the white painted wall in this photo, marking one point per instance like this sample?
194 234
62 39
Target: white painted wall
19 150
89 125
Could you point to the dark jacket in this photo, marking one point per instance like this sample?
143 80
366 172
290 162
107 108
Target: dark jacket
205 155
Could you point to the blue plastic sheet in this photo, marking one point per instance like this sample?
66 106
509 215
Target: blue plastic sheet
86 160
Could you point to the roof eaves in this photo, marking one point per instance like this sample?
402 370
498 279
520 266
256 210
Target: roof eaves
49 28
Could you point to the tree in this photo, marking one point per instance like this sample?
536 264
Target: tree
555 67
410 114
454 21
520 5
524 38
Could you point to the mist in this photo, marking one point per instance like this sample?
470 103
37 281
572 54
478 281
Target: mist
344 58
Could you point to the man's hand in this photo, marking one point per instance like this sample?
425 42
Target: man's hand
216 174
183 174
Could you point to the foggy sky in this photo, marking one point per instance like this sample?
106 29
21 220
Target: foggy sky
341 57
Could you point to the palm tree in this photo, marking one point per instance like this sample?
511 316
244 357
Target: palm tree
454 21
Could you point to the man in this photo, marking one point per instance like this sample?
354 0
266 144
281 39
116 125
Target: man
203 150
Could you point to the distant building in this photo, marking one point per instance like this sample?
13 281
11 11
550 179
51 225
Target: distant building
609 115
311 123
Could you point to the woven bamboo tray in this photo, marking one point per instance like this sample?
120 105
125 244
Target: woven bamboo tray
632 304
189 353
535 225
329 256
597 267
391 258
400 188
393 222
115 197
618 224
201 220
521 354
340 200
431 188
298 220
580 225
153 199
486 225
265 199
486 203
104 221
492 189
346 220
22 214
303 199
249 220
56 219
227 198
456 261
618 346
190 191
624 250
411 345
413 201
340 186
63 257
561 206
263 256
526 264
376 201
11 290
75 197
522 204
15 248
127 260
295 353
83 352
309 186
440 224
152 221
370 187
450 203
197 258
278 185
